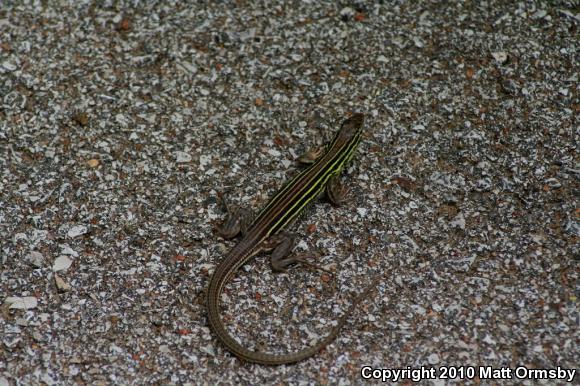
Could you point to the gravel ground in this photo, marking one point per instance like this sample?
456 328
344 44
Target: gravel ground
121 126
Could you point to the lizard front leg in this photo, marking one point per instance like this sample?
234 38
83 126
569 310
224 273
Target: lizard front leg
311 155
336 192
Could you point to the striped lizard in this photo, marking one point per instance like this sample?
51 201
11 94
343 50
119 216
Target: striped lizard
265 233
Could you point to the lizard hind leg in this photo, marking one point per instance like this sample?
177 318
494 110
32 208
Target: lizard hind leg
282 257
236 223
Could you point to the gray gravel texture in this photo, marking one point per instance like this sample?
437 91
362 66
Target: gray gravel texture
121 125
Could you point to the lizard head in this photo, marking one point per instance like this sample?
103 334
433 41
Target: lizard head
351 128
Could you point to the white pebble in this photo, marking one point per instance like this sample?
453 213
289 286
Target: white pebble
22 303
77 230
62 263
